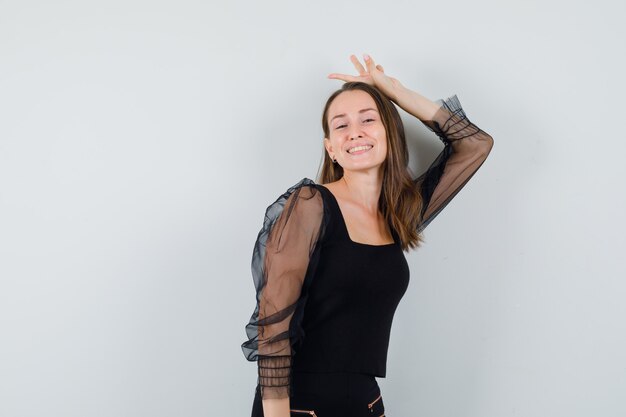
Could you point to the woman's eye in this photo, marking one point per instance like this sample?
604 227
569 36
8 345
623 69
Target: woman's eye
366 120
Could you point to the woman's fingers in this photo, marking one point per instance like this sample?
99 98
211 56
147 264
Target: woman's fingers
357 65
369 62
365 73
344 77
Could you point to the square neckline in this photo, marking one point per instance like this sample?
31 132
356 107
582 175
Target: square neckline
345 226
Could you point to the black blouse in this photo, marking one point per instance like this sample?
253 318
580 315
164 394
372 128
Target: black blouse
332 300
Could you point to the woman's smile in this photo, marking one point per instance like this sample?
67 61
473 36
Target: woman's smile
358 150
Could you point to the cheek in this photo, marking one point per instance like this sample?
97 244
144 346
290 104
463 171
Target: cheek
381 135
380 130
334 143
383 147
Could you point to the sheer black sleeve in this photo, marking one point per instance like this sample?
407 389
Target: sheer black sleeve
466 148
284 258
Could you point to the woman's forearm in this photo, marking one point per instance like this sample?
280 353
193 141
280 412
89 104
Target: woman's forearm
414 103
276 407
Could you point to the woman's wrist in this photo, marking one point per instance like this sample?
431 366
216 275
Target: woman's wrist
393 89
414 103
276 407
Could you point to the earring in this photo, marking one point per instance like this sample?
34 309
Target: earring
334 161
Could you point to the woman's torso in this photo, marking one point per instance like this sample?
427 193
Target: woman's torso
351 301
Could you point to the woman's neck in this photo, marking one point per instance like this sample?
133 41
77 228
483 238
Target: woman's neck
362 188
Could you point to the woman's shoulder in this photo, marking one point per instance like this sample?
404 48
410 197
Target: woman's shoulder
304 195
302 203
307 187
303 183
304 187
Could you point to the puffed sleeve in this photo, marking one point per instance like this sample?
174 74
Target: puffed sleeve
284 259
466 148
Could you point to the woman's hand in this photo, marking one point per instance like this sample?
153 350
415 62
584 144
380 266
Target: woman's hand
373 75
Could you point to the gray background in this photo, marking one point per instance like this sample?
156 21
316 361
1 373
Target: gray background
141 141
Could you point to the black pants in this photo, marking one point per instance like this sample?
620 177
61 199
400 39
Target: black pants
335 394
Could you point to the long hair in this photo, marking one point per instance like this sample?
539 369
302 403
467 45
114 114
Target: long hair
400 201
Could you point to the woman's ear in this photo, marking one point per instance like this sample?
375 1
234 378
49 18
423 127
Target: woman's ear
328 146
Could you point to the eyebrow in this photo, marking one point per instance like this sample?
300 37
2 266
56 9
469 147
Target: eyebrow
360 111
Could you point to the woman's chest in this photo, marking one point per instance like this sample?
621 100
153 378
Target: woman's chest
349 270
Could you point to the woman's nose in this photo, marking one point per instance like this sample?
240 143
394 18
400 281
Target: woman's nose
355 132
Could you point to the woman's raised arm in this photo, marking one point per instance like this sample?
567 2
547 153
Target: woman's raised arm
466 146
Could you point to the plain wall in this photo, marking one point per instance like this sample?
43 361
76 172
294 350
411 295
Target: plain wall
141 141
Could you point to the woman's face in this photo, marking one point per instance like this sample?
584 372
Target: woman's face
354 121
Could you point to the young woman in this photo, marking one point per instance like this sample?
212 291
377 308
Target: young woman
329 265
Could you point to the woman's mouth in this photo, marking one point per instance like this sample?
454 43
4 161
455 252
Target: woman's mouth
357 150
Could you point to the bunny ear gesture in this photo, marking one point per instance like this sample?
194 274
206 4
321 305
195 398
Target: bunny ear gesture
371 74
